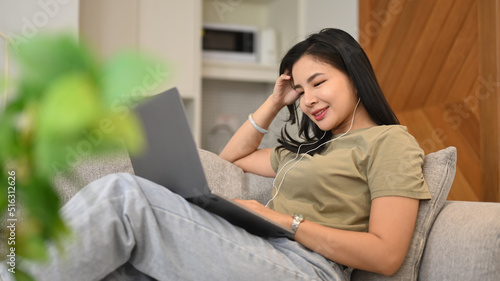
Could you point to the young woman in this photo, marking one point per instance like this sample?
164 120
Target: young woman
349 187
356 177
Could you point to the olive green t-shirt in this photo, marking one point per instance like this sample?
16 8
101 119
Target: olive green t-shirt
335 188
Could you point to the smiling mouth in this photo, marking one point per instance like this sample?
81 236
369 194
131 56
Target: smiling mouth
320 114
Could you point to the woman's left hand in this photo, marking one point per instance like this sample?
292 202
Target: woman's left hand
285 220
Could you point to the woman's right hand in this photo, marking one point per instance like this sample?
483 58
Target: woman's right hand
283 93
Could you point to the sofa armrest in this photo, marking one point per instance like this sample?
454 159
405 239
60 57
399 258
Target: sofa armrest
222 176
229 180
84 170
464 243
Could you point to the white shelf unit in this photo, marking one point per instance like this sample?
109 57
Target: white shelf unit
260 14
291 20
171 30
239 71
232 89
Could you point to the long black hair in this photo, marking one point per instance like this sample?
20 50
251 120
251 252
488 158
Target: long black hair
340 50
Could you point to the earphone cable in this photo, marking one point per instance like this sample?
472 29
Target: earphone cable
304 154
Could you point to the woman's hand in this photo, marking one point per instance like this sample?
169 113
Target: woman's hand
283 93
284 220
243 148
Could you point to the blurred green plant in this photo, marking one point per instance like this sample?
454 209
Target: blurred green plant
62 91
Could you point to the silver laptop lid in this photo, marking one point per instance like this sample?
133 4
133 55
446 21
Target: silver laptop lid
171 157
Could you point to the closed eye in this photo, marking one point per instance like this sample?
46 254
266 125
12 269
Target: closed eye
319 83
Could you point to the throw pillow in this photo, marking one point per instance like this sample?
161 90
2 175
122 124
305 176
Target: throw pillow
439 172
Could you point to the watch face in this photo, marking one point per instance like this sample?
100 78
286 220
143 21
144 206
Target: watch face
298 217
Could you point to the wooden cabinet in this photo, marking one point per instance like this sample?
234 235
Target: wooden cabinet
167 29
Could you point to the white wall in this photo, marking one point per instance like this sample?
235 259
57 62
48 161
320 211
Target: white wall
21 20
342 14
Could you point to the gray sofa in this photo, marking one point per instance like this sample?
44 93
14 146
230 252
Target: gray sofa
453 240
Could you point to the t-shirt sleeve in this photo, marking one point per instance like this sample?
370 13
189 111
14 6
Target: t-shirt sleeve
275 159
395 166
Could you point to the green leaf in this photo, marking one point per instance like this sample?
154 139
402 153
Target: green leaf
130 130
66 107
129 77
42 204
8 137
3 189
44 59
21 275
70 105
31 245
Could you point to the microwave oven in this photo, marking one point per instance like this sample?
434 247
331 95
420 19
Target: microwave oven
230 42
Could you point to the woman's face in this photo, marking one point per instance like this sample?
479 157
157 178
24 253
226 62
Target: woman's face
327 96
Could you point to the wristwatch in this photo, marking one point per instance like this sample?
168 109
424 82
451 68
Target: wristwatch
297 219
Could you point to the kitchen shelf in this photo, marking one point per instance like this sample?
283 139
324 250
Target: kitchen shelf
239 71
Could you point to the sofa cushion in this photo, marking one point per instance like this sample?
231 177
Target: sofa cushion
464 243
439 172
222 176
87 169
228 179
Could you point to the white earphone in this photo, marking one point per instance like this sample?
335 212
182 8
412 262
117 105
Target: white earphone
303 154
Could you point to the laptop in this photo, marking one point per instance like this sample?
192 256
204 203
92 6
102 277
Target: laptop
171 159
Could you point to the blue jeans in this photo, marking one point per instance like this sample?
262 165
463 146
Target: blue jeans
126 220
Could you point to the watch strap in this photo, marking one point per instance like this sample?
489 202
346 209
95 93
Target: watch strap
297 219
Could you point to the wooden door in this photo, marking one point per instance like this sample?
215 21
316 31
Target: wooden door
438 65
